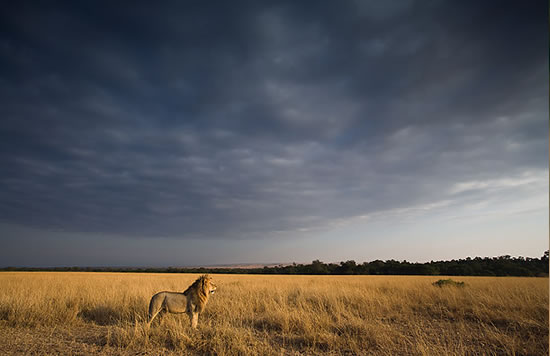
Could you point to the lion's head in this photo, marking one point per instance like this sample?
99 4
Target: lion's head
207 285
203 286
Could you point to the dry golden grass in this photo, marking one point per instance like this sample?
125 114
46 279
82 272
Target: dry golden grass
104 313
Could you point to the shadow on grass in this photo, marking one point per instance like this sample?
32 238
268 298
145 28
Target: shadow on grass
101 315
266 325
4 312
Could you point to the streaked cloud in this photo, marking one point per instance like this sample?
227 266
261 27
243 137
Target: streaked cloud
231 121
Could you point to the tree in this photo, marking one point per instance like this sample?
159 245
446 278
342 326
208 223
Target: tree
318 267
347 267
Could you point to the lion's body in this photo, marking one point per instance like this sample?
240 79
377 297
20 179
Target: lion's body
192 301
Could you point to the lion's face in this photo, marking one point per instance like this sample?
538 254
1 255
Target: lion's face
212 288
208 286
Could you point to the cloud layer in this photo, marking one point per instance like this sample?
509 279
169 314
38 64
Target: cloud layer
239 121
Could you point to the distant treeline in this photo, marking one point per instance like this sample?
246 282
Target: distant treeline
496 266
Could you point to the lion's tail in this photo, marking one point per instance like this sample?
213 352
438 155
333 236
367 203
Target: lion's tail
155 306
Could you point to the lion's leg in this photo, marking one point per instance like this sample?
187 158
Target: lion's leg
190 311
161 315
151 317
157 315
194 320
156 307
161 312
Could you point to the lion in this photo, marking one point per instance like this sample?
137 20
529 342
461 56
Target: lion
192 301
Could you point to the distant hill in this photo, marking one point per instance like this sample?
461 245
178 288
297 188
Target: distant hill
245 265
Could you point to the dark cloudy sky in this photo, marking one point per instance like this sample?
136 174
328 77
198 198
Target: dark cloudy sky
185 133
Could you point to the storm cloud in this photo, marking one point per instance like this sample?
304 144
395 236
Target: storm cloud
247 120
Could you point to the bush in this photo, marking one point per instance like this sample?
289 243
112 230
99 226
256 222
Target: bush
448 282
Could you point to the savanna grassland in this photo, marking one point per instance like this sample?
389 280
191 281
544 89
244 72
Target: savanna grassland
104 313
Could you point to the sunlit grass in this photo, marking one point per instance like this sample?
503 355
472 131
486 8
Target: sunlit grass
260 314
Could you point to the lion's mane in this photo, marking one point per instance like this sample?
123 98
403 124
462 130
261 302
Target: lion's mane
198 291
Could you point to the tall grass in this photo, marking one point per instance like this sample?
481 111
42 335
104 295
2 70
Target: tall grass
256 314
